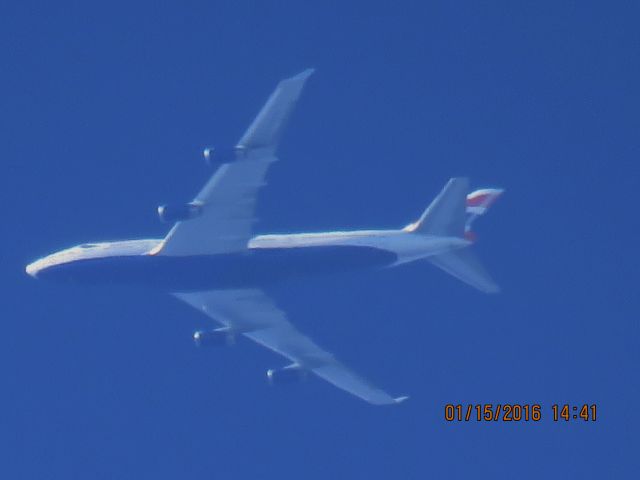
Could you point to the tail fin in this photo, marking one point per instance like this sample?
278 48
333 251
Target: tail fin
446 214
451 214
478 203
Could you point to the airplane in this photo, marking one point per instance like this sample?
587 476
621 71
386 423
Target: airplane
212 260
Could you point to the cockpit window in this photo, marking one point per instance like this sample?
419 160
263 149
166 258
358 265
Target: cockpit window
88 245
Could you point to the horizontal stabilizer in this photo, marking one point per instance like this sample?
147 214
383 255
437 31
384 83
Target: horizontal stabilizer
464 265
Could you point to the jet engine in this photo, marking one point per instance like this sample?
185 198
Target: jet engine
287 375
217 156
214 338
178 213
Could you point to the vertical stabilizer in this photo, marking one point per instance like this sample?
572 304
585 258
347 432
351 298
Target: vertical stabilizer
446 216
478 203
450 215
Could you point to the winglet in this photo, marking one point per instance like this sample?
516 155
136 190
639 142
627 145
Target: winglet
266 129
303 75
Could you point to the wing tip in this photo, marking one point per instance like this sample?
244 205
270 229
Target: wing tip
302 76
387 400
307 72
492 289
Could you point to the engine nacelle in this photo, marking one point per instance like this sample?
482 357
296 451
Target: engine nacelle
287 375
178 213
217 156
214 338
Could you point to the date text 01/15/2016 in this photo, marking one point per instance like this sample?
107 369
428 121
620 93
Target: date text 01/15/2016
514 412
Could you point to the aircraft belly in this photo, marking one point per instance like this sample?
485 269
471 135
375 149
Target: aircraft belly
252 268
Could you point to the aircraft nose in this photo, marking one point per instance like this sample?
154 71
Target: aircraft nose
32 269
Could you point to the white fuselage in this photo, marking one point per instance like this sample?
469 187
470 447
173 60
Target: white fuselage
406 246
267 258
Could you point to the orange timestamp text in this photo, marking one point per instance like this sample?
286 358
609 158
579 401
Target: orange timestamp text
517 412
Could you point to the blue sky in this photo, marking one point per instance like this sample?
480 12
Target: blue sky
104 112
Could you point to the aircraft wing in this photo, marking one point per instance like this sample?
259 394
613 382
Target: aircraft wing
227 201
252 313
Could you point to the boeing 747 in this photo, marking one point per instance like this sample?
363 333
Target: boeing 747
212 259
